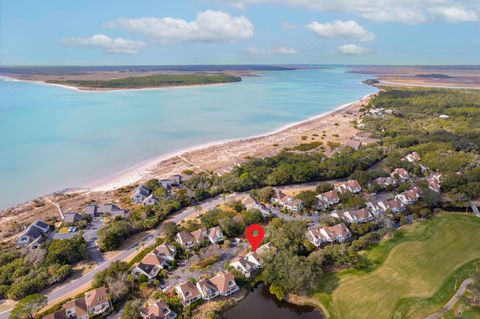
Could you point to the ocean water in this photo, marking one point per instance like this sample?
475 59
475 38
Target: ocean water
53 138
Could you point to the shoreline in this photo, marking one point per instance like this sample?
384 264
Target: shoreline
138 171
86 90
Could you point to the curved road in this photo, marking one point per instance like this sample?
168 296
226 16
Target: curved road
82 283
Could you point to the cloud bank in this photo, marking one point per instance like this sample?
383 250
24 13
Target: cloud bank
403 11
341 29
208 26
282 50
106 44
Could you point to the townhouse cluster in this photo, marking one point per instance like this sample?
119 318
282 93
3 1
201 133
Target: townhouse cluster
187 239
222 284
94 303
162 257
287 202
318 234
251 262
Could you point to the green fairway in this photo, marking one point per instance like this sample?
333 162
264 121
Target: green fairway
418 271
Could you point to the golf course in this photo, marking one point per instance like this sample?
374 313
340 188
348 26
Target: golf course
410 275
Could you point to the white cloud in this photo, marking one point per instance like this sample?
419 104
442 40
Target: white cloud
340 29
403 11
351 49
209 26
455 14
288 25
107 44
282 50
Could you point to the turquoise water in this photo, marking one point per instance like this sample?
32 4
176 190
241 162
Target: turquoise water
52 138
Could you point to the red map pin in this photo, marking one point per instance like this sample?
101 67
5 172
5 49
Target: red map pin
254 234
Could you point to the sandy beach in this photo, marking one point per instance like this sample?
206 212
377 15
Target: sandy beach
219 157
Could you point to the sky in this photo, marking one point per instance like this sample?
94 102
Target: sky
166 32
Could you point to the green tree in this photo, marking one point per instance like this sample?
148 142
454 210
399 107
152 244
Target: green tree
28 307
131 310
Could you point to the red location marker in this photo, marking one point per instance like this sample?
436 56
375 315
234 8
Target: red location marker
254 234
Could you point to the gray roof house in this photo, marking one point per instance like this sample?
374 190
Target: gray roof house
71 217
176 179
139 194
106 209
151 200
34 234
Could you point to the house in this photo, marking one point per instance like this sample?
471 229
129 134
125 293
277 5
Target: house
225 283
139 194
293 204
207 289
251 203
33 235
327 199
73 309
400 174
188 292
278 197
200 235
90 210
354 216
76 309
167 251
151 200
412 157
434 182
410 196
318 234
351 186
157 310
150 265
288 202
176 179
97 301
71 217
106 209
166 183
384 181
185 239
395 205
156 260
265 248
215 235
244 266
375 208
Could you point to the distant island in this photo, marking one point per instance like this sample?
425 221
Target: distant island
433 75
148 81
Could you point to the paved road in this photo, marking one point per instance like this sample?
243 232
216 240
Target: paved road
449 305
58 294
81 283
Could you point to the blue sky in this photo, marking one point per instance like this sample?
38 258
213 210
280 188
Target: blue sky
108 32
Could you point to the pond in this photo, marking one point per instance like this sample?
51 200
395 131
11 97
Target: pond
260 304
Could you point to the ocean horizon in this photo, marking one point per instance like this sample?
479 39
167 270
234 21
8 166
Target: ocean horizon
54 138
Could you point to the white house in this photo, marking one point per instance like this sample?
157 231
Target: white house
244 266
207 289
225 283
188 292
215 235
327 199
97 301
151 200
319 234
354 216
351 186
185 239
139 194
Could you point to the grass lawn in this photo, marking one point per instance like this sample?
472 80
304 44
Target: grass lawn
412 275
